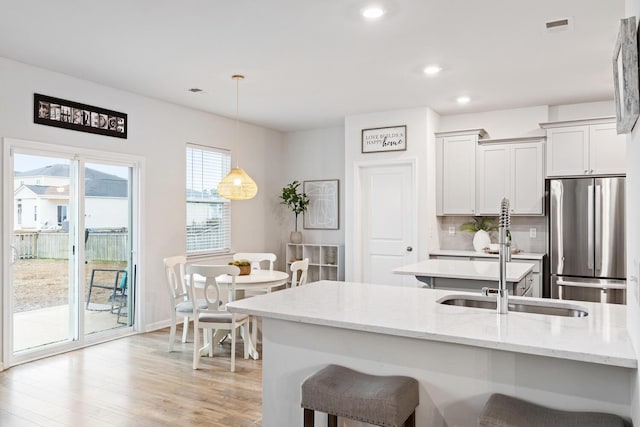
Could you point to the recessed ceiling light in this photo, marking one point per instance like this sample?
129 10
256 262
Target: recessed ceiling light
463 99
372 12
432 70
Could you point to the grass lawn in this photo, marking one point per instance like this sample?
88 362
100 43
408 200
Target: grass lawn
40 283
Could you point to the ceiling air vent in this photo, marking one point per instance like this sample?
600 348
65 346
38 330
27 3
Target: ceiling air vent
195 90
558 25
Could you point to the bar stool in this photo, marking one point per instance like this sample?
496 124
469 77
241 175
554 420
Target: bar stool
507 411
388 401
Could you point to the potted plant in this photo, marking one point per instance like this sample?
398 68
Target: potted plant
298 203
244 265
481 226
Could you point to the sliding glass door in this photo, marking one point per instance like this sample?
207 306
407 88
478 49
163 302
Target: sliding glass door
72 272
42 271
107 237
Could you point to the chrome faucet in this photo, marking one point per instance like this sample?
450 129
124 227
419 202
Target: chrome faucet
504 242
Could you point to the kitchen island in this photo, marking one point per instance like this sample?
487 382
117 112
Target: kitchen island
459 355
469 275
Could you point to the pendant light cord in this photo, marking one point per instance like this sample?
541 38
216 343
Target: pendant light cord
237 78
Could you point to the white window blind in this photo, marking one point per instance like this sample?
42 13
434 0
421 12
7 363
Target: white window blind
208 214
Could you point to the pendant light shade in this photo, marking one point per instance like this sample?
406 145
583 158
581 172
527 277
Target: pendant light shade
237 185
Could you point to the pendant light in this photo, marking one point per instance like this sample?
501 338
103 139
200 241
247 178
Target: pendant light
237 185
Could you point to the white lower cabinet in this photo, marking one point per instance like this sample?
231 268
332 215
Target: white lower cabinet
513 169
326 262
530 286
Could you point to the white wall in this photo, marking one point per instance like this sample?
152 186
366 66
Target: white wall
514 123
420 124
558 113
316 154
632 8
158 131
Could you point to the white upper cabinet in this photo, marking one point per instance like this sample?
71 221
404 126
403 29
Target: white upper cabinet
584 147
456 171
607 150
511 168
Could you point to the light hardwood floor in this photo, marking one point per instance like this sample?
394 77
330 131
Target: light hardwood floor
133 381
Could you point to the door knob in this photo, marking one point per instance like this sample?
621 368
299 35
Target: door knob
409 248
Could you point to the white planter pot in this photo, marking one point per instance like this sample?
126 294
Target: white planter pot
295 237
481 240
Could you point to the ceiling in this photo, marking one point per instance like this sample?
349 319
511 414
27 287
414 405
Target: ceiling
308 64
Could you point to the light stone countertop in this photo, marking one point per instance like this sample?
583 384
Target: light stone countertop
463 269
452 252
601 337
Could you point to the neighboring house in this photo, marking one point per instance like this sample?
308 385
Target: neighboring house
41 199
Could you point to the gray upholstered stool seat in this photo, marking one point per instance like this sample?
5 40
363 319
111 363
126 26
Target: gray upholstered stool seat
507 411
388 401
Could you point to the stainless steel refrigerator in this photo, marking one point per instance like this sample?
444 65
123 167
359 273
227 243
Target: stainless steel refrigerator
587 239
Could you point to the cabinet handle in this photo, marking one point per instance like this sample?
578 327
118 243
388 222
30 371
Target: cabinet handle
409 248
591 171
586 171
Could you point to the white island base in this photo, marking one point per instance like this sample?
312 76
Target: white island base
455 380
458 355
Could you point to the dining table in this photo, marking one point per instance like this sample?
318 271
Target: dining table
260 280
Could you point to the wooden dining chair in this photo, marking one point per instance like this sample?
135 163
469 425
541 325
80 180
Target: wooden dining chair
216 317
256 259
300 267
181 304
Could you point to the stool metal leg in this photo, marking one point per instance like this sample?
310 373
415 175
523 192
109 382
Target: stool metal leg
308 417
411 421
332 421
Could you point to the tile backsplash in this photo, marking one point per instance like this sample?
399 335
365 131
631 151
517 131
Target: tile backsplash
520 233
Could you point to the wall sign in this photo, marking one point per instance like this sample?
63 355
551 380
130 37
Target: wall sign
61 113
384 139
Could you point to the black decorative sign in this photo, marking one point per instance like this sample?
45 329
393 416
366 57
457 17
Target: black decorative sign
61 113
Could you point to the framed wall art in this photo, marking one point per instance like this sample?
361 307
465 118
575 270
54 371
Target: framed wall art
324 204
61 113
625 76
378 140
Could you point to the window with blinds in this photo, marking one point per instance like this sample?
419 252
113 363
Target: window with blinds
208 214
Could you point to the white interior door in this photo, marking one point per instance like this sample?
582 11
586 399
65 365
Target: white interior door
387 194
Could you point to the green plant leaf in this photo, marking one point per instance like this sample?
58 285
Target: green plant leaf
479 223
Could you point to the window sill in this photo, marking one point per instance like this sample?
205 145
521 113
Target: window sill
218 256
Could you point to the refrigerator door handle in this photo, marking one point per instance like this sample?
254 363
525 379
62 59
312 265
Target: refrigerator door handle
590 227
598 230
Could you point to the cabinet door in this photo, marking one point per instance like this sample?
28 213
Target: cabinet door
458 174
527 178
493 181
568 151
607 150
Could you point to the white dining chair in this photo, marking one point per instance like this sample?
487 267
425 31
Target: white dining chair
256 259
300 267
181 304
216 317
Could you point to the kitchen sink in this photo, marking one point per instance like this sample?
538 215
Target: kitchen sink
516 305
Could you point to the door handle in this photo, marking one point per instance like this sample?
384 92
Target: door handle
598 231
590 227
409 248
